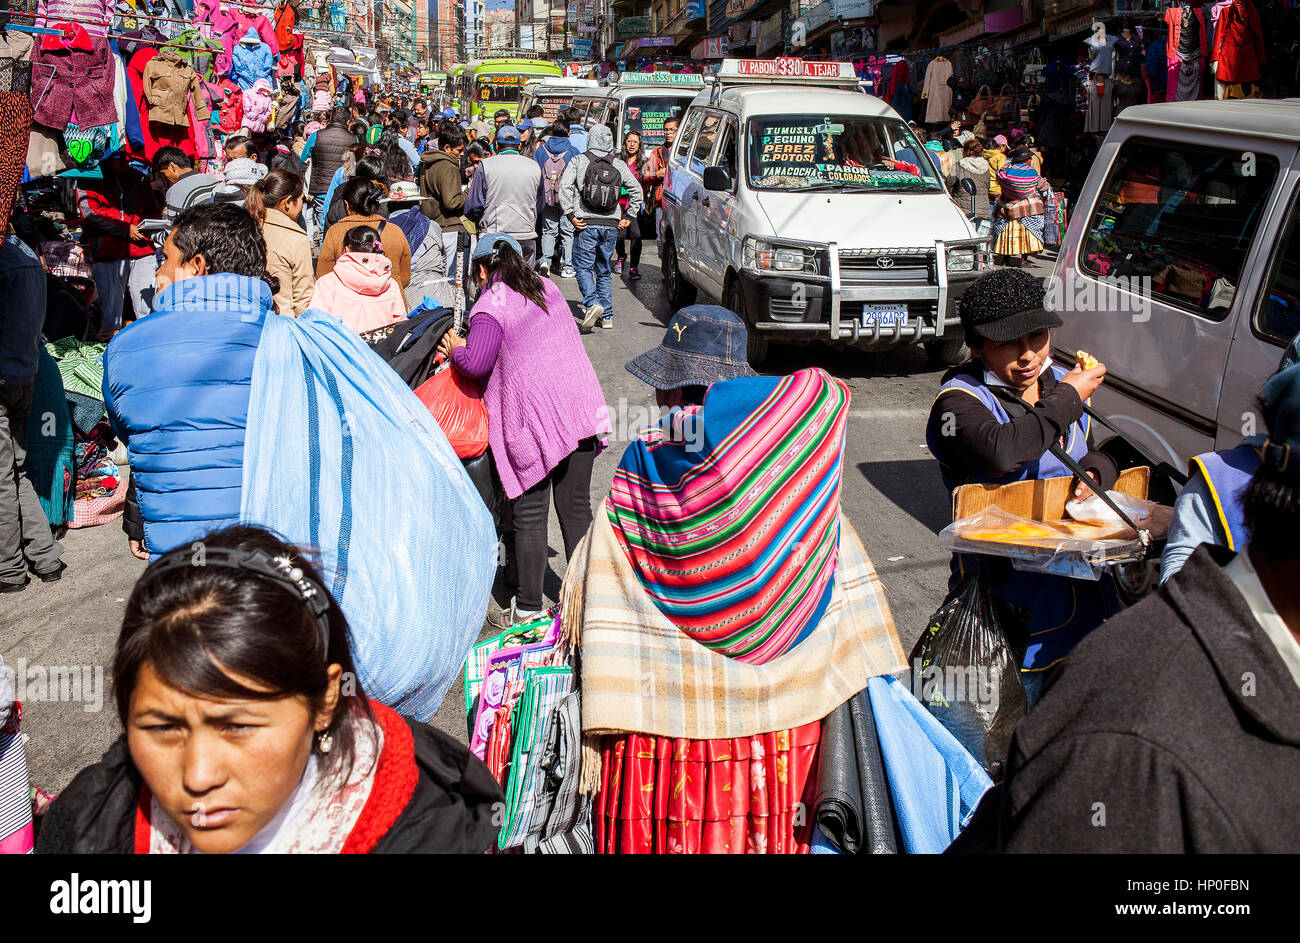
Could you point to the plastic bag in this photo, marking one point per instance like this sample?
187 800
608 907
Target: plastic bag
456 402
966 670
1064 548
1145 514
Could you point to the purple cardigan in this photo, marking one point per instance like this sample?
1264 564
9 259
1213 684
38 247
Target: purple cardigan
542 395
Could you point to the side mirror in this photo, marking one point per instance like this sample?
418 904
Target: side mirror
967 186
716 178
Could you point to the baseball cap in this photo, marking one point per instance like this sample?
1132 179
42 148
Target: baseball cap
488 242
1281 401
703 344
508 135
1001 140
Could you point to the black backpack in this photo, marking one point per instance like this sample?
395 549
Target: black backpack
602 185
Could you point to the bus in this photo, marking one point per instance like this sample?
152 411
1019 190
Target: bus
553 95
487 86
433 85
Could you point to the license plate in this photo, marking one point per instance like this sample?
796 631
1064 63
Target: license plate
884 315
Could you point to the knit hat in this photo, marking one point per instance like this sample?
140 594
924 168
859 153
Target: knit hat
245 172
965 137
703 344
1004 305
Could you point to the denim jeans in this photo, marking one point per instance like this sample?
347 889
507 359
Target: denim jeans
592 251
555 223
24 530
319 209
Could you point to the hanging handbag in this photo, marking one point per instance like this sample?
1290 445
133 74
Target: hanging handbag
1003 109
1033 75
982 101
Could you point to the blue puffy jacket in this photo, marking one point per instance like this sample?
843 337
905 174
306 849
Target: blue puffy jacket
176 388
248 63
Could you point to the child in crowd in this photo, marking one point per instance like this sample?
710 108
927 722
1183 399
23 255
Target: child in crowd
360 289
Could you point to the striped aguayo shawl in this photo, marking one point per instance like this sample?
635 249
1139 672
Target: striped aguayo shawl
640 673
735 540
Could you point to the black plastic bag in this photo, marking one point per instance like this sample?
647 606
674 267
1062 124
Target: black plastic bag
966 670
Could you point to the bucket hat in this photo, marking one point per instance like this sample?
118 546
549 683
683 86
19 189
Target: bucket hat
703 344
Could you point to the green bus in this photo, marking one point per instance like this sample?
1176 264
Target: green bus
486 86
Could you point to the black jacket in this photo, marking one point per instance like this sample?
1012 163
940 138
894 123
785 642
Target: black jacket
1175 727
332 143
450 812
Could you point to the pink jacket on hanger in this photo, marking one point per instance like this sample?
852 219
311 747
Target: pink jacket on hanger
258 102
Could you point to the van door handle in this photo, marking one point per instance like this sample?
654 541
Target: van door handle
706 202
696 196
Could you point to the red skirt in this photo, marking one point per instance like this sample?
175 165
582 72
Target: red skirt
752 795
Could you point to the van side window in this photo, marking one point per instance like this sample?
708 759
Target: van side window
1278 317
726 155
686 135
704 143
1182 215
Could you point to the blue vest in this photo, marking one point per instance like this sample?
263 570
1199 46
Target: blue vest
1062 610
1227 473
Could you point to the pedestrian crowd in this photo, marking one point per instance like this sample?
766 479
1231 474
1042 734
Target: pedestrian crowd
307 429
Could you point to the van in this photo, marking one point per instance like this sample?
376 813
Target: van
1180 270
553 95
813 212
640 102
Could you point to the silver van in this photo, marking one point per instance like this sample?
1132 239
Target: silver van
1180 271
640 102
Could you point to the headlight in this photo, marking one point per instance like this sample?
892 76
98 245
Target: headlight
961 260
762 256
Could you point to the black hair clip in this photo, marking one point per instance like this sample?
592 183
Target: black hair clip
281 570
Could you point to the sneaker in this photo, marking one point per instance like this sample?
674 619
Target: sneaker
516 616
590 315
607 322
568 272
618 267
633 274
544 269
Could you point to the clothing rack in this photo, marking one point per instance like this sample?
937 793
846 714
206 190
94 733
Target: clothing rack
123 16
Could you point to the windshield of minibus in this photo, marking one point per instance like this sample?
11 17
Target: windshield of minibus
500 87
837 152
646 115
552 105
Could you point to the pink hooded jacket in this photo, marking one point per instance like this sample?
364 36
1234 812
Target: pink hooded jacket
360 291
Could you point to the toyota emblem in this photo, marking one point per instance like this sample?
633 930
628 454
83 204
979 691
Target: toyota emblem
884 262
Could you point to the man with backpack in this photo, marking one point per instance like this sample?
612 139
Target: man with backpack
553 157
590 191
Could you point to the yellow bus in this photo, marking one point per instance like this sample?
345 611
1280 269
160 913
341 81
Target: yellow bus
487 86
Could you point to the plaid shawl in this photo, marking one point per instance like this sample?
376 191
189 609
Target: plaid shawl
731 531
640 673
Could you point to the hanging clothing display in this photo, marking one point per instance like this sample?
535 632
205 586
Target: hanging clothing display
94 15
936 91
251 61
1102 48
15 125
73 84
1238 44
1185 52
169 86
1100 113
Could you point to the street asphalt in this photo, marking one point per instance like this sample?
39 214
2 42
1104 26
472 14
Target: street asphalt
891 493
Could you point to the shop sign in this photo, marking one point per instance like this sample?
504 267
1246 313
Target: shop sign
738 8
818 16
852 43
695 10
632 27
582 48
769 33
853 9
711 47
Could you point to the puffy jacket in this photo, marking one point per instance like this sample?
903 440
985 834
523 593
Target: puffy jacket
231 108
360 292
440 178
430 795
327 153
250 62
176 388
258 102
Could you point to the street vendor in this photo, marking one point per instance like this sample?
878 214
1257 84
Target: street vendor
995 421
